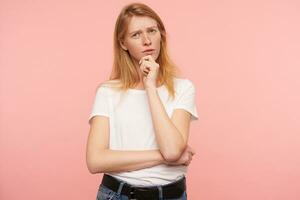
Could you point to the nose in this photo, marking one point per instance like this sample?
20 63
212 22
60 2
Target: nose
146 40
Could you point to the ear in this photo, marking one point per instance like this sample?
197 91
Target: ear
123 45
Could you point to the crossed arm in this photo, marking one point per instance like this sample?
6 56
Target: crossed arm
171 134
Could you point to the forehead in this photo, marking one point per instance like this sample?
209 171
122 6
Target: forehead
137 23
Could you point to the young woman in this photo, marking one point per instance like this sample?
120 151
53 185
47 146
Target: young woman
139 124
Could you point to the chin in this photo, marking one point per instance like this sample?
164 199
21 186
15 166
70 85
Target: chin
154 56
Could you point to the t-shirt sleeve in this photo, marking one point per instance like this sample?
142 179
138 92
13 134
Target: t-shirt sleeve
187 100
100 105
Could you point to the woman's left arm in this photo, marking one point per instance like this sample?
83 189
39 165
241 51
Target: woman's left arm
171 133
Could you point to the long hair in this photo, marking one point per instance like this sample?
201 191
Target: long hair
123 68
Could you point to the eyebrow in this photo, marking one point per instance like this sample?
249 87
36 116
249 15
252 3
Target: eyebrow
146 28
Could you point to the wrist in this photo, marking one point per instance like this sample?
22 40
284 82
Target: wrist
151 91
149 88
161 159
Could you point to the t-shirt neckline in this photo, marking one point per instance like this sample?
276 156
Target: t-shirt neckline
131 90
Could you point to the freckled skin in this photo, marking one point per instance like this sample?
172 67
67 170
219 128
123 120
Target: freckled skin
142 34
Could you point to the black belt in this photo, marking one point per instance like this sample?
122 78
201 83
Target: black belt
172 190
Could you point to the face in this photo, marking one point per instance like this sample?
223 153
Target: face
142 34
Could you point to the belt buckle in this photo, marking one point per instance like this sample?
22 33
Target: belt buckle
132 194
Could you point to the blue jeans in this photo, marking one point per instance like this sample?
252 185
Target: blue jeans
105 193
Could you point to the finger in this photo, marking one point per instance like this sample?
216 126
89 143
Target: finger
151 66
188 162
147 68
144 70
147 63
193 151
148 57
141 60
143 67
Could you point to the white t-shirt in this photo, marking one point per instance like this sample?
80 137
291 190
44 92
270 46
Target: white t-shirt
131 126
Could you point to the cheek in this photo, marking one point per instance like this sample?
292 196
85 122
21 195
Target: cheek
133 47
135 50
157 41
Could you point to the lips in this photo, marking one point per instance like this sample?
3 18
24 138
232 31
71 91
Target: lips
148 50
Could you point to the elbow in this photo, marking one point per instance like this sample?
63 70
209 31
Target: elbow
92 171
94 167
91 168
97 162
171 156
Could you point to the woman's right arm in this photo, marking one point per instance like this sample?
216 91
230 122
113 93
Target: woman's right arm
100 159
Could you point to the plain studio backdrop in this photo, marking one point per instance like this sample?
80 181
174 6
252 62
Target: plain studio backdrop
243 57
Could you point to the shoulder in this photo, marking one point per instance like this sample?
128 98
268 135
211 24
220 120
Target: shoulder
108 85
183 83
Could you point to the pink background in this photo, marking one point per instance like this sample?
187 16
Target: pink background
243 57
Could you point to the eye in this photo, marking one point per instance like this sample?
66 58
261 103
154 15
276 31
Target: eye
135 34
152 30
